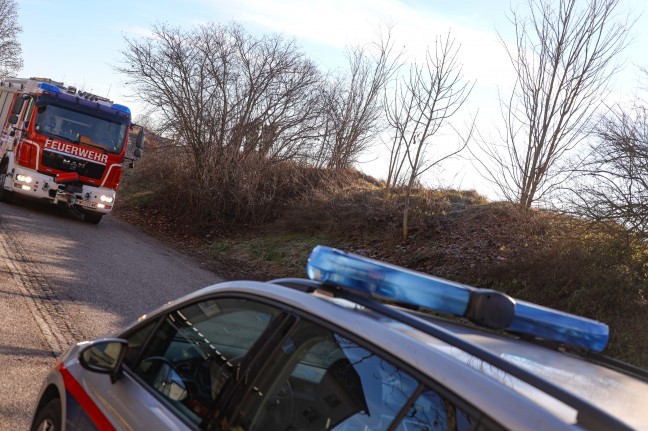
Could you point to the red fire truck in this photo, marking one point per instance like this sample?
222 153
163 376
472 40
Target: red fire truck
63 145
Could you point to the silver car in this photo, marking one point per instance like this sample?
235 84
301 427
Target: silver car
360 345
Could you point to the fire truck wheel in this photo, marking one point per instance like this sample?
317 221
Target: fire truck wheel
93 218
5 196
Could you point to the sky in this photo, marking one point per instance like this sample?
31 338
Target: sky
79 42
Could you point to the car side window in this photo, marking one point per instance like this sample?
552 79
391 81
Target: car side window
136 341
197 349
321 380
432 412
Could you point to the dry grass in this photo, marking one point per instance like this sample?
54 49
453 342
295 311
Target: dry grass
266 223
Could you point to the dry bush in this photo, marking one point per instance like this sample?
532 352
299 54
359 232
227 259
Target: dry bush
335 198
593 270
254 189
350 205
241 190
588 268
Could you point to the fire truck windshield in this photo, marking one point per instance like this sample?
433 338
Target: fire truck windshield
62 123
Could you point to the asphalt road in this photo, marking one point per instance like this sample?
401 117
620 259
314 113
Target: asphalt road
63 280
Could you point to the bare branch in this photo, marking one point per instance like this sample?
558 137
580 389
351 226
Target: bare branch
224 94
613 185
564 55
353 103
424 103
10 51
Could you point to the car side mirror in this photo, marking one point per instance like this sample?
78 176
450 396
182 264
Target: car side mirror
13 119
104 356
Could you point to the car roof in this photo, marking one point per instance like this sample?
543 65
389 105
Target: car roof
621 394
507 399
518 383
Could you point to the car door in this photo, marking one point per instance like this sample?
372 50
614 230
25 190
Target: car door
320 379
177 367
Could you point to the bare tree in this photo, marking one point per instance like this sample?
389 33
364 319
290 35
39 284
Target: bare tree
353 108
563 57
224 94
424 103
10 51
238 106
613 186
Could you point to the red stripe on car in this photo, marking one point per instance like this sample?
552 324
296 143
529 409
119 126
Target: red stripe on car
92 410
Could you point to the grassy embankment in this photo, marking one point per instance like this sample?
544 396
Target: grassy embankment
543 257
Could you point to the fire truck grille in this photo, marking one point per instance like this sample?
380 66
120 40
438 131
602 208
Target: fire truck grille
68 163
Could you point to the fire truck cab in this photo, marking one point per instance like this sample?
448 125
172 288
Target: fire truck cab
63 145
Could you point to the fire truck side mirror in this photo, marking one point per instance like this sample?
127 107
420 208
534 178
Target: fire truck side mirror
41 106
13 119
139 143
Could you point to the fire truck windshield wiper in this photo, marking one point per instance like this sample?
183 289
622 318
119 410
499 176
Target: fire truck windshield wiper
54 135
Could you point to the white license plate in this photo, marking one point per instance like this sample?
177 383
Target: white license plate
87 204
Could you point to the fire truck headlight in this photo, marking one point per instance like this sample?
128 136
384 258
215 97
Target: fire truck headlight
24 178
107 199
24 187
102 206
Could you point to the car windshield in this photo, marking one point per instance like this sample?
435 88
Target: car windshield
61 123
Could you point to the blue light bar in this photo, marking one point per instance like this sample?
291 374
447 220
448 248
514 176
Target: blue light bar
122 108
371 277
49 87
